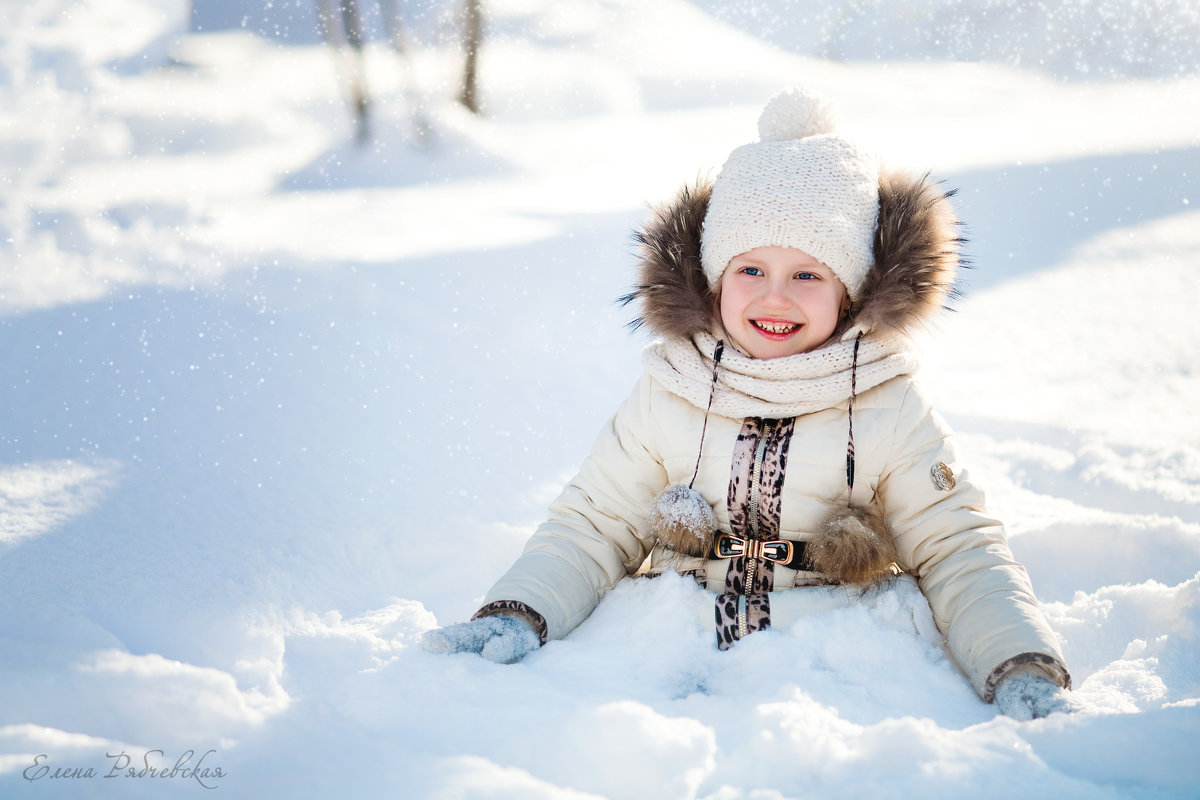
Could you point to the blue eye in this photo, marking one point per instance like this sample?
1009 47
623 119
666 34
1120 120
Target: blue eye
751 271
806 276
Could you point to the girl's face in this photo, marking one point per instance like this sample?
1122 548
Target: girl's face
780 301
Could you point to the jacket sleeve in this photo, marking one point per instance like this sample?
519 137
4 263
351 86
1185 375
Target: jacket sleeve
593 535
982 598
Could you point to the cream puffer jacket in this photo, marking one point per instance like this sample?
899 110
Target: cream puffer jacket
595 535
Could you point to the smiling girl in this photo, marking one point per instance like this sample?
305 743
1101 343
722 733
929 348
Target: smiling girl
777 443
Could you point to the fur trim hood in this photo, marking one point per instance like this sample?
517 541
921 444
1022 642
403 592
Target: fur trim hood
916 255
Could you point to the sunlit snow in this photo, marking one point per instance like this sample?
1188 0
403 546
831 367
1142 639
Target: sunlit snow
276 403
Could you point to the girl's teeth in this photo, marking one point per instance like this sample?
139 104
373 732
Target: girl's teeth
777 327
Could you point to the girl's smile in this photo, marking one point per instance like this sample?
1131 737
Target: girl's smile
777 329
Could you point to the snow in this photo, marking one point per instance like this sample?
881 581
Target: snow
274 404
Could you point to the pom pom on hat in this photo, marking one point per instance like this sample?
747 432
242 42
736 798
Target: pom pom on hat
795 114
803 186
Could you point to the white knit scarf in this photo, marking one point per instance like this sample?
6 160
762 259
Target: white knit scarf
775 388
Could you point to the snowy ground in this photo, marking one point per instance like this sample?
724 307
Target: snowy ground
273 405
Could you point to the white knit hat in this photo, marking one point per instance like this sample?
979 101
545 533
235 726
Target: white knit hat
802 186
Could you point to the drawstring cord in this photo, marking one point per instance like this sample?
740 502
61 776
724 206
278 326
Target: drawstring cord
850 444
711 394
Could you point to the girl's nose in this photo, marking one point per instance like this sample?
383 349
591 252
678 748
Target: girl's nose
775 295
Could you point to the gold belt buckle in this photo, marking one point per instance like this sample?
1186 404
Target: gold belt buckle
777 550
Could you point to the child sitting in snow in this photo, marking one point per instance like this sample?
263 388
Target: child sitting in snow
777 439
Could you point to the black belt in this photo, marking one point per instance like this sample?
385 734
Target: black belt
783 552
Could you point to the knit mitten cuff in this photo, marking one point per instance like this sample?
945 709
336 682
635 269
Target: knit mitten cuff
1049 666
518 609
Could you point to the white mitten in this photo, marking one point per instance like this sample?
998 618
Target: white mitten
1026 694
503 638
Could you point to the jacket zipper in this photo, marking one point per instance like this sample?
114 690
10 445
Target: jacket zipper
752 563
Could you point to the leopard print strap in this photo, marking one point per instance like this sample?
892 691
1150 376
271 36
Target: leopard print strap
755 501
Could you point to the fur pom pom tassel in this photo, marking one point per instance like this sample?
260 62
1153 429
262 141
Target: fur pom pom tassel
854 546
682 521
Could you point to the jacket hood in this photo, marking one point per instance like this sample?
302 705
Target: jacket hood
916 260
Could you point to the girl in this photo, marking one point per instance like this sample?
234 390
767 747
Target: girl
777 439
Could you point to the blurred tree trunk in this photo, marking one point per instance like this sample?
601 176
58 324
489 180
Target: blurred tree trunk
472 34
341 27
392 25
353 24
